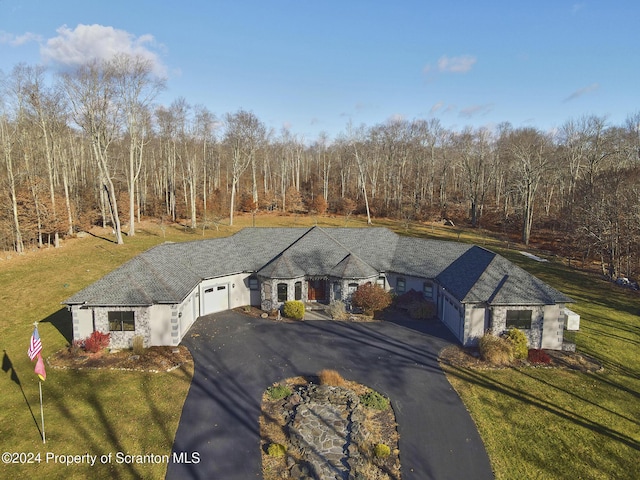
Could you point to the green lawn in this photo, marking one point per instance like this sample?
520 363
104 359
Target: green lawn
536 423
553 424
94 412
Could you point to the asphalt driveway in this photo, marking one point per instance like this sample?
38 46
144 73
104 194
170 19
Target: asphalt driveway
237 358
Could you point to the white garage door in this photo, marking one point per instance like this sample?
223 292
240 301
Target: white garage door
216 299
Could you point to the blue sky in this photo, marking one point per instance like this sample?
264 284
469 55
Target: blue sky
315 66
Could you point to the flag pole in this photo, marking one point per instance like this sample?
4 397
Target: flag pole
42 412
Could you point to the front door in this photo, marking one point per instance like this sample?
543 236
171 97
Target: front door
316 290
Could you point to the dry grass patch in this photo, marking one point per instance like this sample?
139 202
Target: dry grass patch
496 350
331 377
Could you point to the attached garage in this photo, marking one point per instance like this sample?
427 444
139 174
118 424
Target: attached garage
215 298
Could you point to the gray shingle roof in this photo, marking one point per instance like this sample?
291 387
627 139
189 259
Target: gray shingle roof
482 276
168 272
282 267
352 267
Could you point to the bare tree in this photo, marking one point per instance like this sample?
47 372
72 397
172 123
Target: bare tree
135 88
529 148
474 149
91 92
7 138
356 138
244 133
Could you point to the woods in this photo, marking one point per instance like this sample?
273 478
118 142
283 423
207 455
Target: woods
90 147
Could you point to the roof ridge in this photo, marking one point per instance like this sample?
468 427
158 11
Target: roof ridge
349 252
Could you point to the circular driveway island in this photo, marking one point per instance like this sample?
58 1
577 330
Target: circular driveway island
237 357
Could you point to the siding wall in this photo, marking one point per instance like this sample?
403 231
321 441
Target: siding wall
82 322
475 324
239 292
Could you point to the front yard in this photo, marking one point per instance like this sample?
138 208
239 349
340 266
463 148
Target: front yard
535 422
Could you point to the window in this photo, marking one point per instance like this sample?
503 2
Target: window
519 319
253 283
282 292
427 290
121 322
401 285
298 291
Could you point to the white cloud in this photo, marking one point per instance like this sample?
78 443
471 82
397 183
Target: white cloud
18 40
583 91
456 64
436 107
461 64
442 108
474 110
98 42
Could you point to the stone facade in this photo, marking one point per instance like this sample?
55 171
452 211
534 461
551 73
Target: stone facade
124 339
269 291
335 289
534 334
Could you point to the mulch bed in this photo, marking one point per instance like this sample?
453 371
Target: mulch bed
154 359
458 356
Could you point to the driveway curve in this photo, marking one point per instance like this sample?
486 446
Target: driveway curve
237 358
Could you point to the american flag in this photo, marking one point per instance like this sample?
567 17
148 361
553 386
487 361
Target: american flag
35 347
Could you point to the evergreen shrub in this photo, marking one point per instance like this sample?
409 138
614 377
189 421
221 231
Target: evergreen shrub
278 392
520 343
381 450
293 309
374 400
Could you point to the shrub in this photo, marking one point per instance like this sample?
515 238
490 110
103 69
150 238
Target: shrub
519 341
381 450
405 300
374 400
331 377
371 298
318 205
337 310
96 342
495 350
422 309
538 356
293 309
138 345
276 450
76 347
278 392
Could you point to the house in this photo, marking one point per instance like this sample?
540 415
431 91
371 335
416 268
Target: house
161 292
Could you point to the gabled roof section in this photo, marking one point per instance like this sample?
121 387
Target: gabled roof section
315 253
282 267
352 267
482 276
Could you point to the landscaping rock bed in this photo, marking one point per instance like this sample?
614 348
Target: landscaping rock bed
326 433
325 427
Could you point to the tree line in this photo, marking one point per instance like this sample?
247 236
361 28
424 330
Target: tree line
91 146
